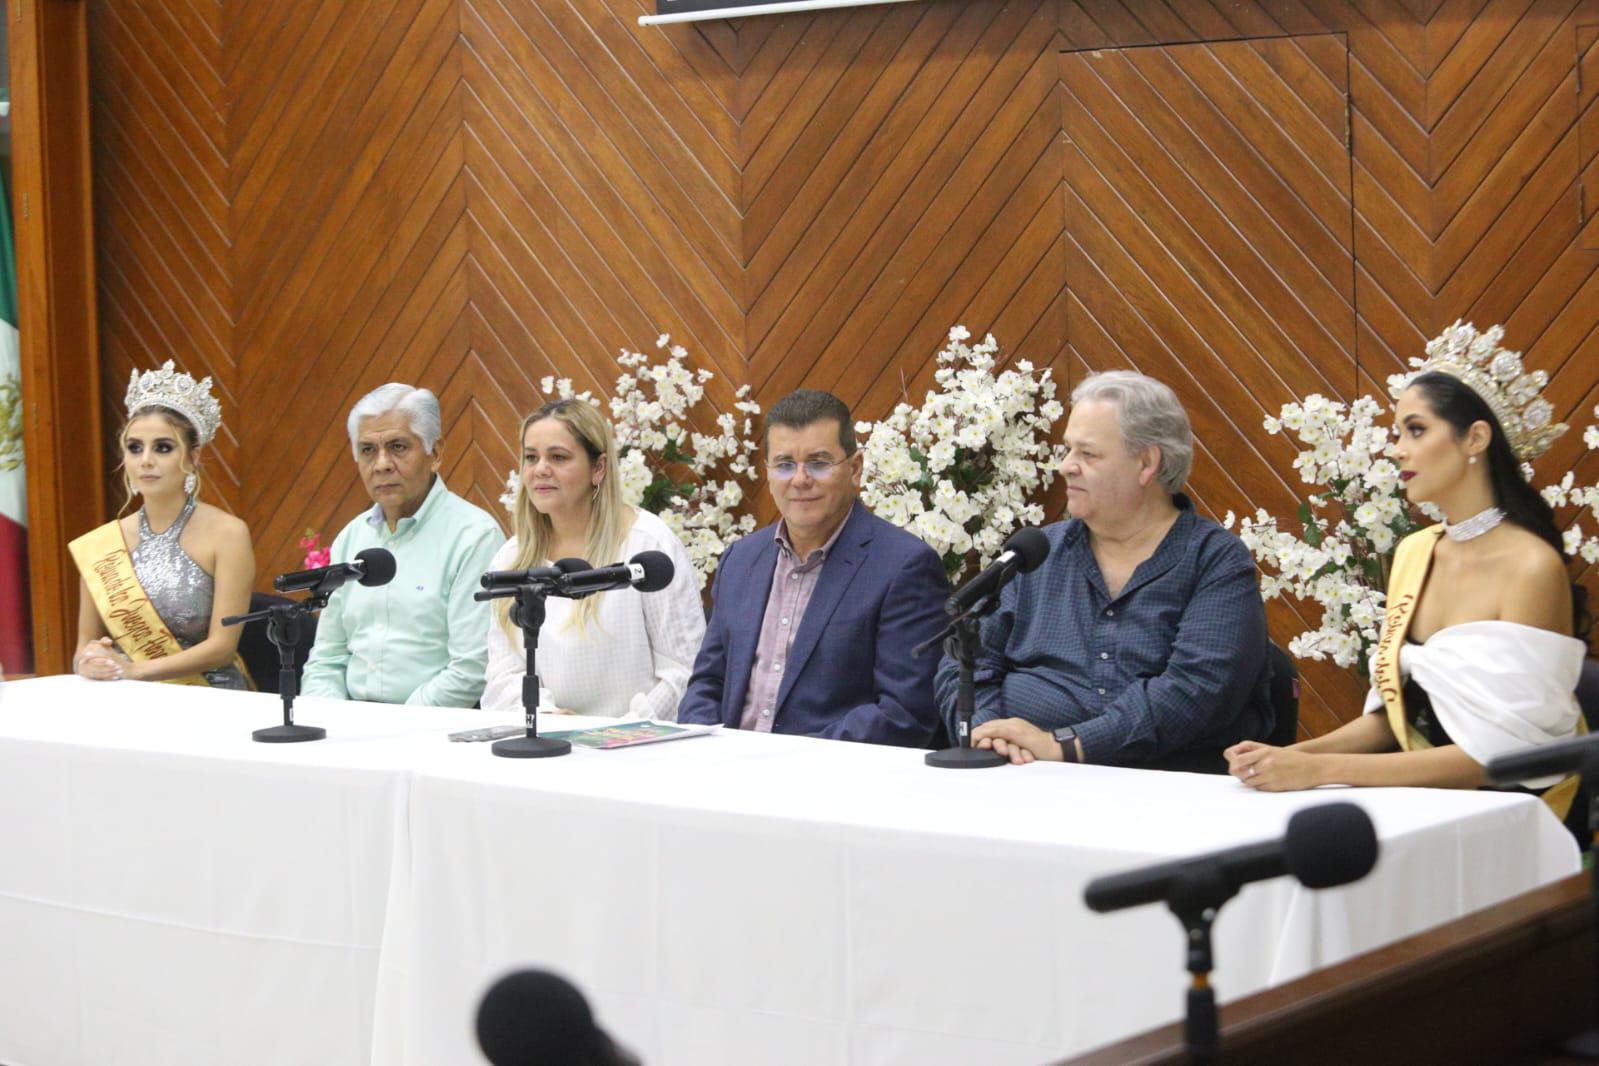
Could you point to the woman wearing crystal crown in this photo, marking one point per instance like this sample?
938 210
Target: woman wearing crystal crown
1477 656
156 584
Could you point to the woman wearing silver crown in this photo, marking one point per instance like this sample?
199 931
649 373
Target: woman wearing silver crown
1477 657
156 584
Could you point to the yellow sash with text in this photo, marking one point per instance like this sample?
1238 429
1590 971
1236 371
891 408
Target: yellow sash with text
130 618
1409 573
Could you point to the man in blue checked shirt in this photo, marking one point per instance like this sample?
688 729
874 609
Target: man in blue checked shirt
1141 640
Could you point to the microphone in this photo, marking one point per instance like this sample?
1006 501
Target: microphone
497 579
503 584
1544 760
1325 846
372 567
529 1017
1024 551
648 571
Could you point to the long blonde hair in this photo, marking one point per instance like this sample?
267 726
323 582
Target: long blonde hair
609 518
188 438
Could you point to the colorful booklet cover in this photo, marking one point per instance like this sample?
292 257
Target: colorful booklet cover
627 734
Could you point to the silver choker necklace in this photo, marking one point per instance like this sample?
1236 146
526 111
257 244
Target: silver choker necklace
1475 526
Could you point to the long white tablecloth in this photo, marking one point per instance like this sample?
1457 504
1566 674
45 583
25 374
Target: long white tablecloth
171 892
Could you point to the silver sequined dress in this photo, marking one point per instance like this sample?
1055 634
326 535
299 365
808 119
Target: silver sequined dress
179 590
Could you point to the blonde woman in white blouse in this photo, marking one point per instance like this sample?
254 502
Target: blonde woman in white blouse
623 653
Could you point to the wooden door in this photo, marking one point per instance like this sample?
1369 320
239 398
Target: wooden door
1210 245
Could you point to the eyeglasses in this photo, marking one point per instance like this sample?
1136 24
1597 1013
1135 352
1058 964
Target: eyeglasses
818 469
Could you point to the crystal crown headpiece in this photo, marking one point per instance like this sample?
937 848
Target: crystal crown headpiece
1496 375
170 388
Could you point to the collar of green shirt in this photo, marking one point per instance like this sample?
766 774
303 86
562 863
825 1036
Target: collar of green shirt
430 504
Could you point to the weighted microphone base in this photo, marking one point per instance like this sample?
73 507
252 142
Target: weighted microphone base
965 758
963 646
288 734
531 747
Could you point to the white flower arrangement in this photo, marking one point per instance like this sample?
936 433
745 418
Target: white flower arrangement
963 470
1566 492
1348 531
694 481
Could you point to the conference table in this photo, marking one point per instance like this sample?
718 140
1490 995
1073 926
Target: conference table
171 892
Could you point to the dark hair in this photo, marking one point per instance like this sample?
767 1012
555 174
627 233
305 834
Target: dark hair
1459 404
806 407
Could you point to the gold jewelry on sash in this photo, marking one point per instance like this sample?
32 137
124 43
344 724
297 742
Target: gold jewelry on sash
130 618
1409 573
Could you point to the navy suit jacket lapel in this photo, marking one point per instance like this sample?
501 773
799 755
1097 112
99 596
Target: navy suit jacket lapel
842 564
745 618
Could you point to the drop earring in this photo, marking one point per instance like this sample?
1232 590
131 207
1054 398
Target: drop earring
190 483
1472 460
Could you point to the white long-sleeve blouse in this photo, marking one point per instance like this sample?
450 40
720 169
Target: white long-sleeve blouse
635 657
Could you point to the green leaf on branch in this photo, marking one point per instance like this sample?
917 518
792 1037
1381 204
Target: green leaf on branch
954 565
673 454
1307 522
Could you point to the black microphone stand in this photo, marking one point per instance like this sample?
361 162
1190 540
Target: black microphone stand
1196 898
962 641
283 630
528 614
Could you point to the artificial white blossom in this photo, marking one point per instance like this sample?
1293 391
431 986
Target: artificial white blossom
694 481
964 469
1567 493
1338 559
508 497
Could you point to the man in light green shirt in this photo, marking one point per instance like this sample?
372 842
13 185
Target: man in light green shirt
421 638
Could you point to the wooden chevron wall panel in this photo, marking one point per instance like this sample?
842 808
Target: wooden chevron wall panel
1588 130
1210 245
162 197
1255 200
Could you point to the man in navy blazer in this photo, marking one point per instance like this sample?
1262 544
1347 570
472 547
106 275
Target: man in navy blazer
814 618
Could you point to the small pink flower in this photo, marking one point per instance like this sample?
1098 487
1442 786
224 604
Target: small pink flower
315 555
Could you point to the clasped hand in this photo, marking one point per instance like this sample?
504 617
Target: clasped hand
1271 769
99 660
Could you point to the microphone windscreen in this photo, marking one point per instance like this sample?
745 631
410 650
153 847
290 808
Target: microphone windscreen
1330 845
1031 547
658 571
379 566
1544 760
572 566
532 1017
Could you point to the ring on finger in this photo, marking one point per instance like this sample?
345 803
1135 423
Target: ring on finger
1253 771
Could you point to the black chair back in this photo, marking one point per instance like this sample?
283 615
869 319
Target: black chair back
1577 820
261 656
1284 697
1588 694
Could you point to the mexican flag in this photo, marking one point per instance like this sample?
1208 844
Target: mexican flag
16 643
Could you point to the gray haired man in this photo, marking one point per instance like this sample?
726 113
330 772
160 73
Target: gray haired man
1141 641
421 638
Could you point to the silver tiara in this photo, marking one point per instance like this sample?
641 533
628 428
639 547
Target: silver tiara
1497 375
170 388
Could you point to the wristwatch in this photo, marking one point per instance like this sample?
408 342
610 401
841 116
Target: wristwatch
1066 736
